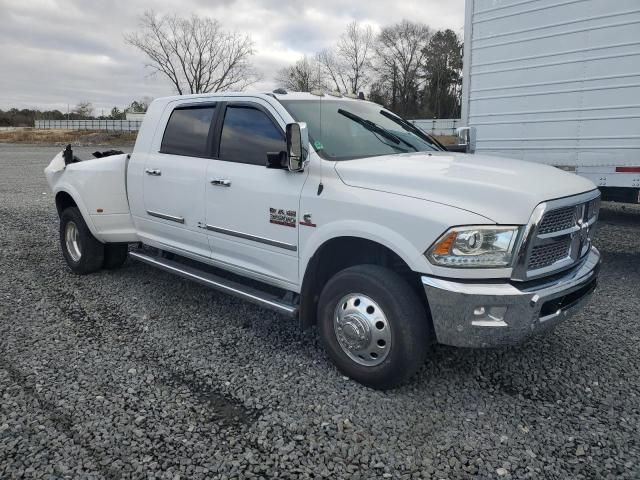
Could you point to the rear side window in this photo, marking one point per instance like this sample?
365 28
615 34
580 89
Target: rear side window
187 131
248 134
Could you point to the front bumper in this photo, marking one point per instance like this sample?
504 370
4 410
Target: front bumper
470 314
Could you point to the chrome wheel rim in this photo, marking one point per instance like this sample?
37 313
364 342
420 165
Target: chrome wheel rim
72 241
362 330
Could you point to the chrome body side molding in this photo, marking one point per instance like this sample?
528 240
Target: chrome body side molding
253 238
164 216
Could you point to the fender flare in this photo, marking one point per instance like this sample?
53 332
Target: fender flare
368 231
359 229
69 190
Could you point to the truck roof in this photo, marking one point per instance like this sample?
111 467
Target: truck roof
310 96
278 96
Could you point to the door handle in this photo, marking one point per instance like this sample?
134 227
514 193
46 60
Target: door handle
221 182
153 171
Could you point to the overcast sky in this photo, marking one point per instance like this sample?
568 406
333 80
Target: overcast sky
59 52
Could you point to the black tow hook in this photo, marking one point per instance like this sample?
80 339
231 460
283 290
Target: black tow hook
67 154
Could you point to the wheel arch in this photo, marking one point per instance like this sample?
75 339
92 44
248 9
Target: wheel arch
63 201
65 198
338 253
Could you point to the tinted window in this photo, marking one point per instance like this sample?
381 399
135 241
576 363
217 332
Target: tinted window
247 135
187 131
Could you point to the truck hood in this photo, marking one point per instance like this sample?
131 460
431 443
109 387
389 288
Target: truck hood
501 189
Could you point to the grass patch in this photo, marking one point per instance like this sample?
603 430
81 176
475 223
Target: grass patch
63 137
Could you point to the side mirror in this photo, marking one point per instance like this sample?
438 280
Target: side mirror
467 138
297 146
277 160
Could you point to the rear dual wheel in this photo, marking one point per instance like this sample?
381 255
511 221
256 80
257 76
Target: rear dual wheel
373 325
81 250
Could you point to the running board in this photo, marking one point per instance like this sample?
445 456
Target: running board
207 279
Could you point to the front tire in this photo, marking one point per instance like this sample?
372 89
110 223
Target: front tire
373 325
81 250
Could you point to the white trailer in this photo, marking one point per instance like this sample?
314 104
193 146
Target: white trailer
557 82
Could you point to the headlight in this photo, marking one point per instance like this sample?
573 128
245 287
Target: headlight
474 247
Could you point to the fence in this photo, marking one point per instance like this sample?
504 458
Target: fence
114 125
439 126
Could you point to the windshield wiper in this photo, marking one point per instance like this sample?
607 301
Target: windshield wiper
392 145
372 127
410 126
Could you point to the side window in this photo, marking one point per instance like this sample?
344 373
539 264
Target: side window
247 135
187 131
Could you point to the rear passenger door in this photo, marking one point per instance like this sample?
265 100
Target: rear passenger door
174 180
252 211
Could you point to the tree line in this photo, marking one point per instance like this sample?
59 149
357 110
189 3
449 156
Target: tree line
406 66
84 110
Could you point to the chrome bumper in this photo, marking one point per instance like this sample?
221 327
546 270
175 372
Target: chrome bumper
469 314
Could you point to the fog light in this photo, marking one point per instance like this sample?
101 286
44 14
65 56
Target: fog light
497 313
489 316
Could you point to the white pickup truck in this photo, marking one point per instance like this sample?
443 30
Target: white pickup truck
342 214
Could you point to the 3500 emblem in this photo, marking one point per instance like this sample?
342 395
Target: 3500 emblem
282 217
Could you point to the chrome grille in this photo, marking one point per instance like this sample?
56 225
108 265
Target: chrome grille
558 236
593 208
558 220
545 255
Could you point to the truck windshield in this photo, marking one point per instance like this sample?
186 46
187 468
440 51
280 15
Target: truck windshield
350 129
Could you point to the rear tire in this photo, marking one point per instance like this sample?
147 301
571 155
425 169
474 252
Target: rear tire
81 250
115 254
373 326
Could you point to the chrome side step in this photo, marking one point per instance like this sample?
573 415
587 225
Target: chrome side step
207 279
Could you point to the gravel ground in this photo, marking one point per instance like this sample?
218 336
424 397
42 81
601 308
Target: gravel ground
135 373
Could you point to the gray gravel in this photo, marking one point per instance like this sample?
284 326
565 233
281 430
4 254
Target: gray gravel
135 373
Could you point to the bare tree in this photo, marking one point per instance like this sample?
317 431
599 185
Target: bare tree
355 48
302 76
83 109
196 54
400 55
349 63
138 106
333 68
116 114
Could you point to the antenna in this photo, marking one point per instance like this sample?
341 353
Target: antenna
320 185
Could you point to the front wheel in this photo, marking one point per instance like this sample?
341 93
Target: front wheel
82 251
373 325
